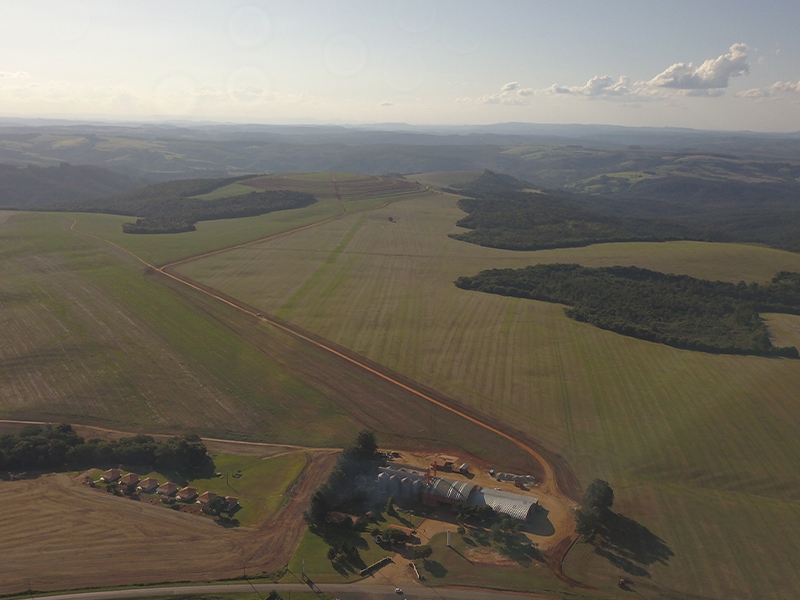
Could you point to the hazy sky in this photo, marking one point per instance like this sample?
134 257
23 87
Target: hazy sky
726 64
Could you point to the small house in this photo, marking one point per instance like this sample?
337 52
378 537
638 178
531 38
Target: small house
233 503
110 475
206 497
187 494
129 479
167 489
147 485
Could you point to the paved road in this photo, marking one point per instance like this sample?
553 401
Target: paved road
338 590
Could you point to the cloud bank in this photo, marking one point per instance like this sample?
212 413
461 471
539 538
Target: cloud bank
710 79
772 91
712 74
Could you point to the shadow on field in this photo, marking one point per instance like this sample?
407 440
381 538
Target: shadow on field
540 523
630 546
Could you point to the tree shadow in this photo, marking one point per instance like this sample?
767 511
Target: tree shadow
540 523
630 546
435 568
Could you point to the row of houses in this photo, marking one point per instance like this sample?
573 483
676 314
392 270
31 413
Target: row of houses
149 485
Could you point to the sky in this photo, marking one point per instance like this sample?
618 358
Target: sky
722 65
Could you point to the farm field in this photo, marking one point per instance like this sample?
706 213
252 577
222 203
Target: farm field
93 337
443 178
88 338
698 447
358 193
95 538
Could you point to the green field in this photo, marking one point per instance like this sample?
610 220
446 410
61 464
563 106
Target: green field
677 433
226 191
359 193
474 563
443 178
313 550
87 337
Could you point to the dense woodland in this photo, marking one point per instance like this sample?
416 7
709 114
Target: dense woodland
676 310
502 215
171 207
60 447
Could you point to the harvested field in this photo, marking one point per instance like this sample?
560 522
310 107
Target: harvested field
673 431
89 538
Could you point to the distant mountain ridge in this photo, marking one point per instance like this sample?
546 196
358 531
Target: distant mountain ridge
35 187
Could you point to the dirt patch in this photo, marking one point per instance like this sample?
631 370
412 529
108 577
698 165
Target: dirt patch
489 556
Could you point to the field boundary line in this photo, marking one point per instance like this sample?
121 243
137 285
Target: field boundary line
294 447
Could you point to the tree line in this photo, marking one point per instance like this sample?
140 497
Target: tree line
676 310
502 214
181 215
59 447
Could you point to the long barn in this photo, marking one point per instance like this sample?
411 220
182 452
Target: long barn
435 491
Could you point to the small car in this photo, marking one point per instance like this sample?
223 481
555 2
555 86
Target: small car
398 591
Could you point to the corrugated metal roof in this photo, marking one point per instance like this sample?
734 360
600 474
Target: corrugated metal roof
514 505
457 491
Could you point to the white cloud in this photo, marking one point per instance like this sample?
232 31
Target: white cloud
510 93
792 87
786 86
712 74
597 86
387 104
707 80
14 75
702 93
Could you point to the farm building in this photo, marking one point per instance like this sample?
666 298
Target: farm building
507 503
167 489
187 494
110 475
434 491
147 485
446 491
129 479
206 497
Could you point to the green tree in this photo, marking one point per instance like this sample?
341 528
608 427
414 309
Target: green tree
217 505
587 521
424 552
366 443
598 495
